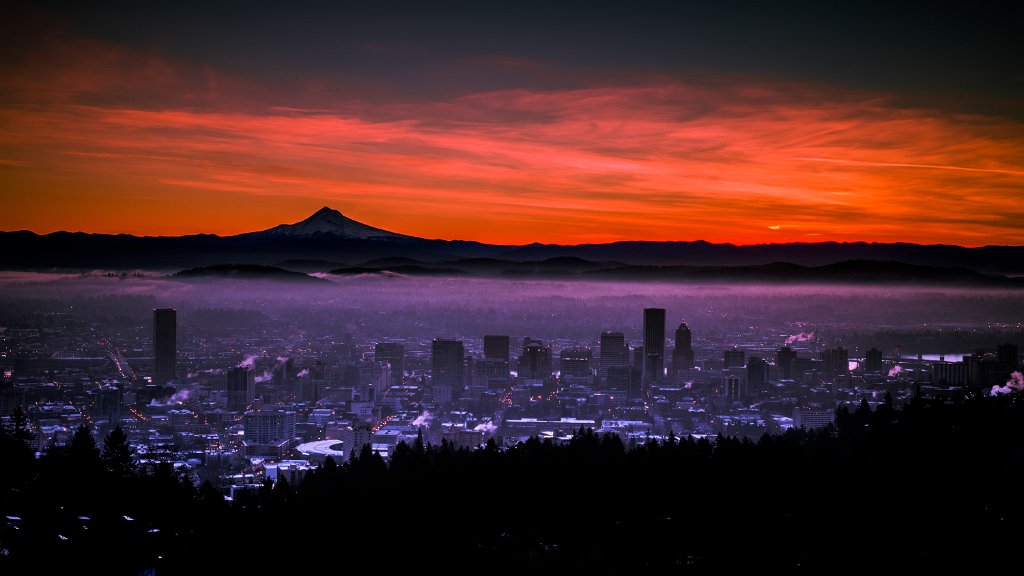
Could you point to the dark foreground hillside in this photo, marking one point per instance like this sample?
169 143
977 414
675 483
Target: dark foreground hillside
935 484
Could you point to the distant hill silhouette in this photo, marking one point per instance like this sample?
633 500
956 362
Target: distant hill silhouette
246 272
335 240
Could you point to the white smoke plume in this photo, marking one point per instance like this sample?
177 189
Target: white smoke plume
249 362
422 419
895 370
264 377
303 373
180 397
487 427
801 337
1014 384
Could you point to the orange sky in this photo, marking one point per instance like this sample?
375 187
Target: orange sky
100 140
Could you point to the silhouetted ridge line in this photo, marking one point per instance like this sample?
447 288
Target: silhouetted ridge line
333 238
246 272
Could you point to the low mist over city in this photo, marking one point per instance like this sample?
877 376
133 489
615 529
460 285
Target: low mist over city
573 287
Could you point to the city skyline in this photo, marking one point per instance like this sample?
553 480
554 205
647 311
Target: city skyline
332 278
568 124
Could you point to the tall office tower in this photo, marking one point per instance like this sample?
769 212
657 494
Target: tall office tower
241 388
836 360
735 389
497 347
757 377
1009 354
784 360
625 379
613 353
636 359
682 354
735 358
165 345
654 345
873 361
535 362
394 354
447 363
575 362
374 380
317 371
110 404
490 374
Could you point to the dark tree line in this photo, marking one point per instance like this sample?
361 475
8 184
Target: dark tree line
933 484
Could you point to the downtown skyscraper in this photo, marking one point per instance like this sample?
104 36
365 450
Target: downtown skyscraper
654 345
165 345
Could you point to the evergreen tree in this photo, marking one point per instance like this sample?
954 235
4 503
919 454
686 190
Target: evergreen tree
83 451
19 424
118 454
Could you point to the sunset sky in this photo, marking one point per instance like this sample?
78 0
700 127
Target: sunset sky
516 122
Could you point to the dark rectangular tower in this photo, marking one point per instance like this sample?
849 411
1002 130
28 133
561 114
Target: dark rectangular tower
447 369
165 345
654 344
241 388
613 353
497 347
394 354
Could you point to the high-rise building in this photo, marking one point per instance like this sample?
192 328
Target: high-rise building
354 437
637 358
269 426
448 363
110 400
165 345
490 374
283 375
873 361
575 362
393 354
374 379
625 379
784 360
757 377
654 344
735 358
836 361
241 388
950 373
269 432
682 354
496 356
1009 354
535 363
613 353
735 390
497 347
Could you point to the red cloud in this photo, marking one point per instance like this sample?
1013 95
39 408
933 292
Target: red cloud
111 141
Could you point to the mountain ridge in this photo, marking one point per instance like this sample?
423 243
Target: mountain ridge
329 236
327 221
